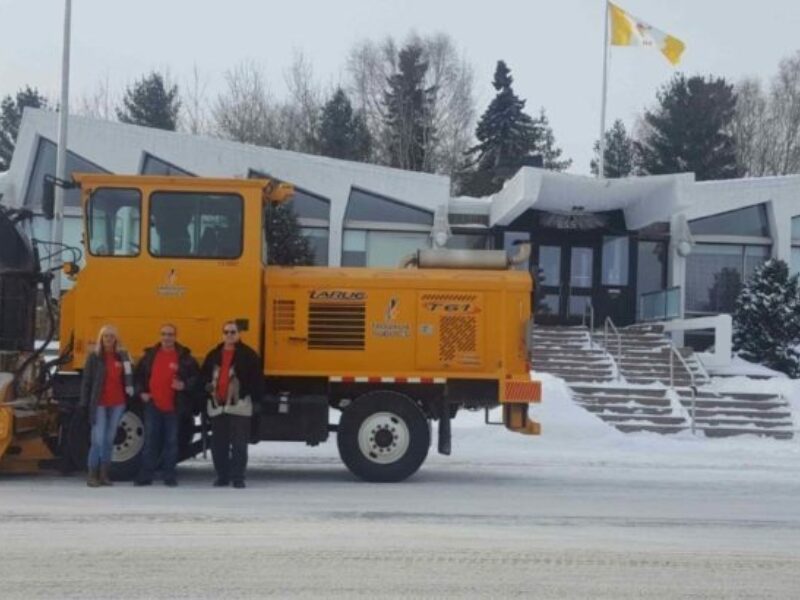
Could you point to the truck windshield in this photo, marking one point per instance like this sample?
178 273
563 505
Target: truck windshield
196 225
113 222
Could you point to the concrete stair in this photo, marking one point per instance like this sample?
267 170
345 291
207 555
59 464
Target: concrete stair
627 385
631 408
566 352
643 357
725 414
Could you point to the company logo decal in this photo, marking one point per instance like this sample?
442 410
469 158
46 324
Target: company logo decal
390 327
338 295
170 287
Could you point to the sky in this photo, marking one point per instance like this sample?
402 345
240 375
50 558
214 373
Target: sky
554 48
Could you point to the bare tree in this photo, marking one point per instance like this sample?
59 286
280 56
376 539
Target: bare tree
245 111
195 118
300 115
785 116
98 103
767 124
450 78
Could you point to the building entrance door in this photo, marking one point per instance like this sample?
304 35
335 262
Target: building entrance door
564 282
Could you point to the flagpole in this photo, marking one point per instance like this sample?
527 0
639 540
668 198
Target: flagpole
601 161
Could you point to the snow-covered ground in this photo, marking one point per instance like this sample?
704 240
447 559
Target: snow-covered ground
581 511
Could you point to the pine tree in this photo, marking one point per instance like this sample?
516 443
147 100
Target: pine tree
342 133
408 121
286 245
619 153
150 103
507 136
11 117
546 145
691 130
767 318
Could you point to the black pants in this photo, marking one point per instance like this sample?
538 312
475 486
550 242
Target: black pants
230 435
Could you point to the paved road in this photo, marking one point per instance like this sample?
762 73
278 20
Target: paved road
304 528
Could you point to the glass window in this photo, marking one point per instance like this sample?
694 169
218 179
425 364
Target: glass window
304 204
185 225
715 272
113 222
155 166
380 248
795 266
354 249
750 221
651 267
366 206
549 265
580 274
318 238
45 164
615 260
468 241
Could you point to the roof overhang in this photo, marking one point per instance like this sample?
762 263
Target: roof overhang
644 200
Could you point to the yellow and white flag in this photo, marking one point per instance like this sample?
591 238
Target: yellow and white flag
627 30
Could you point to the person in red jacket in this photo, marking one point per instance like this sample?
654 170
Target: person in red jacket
106 387
165 377
234 383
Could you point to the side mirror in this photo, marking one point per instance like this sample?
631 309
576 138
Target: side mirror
49 197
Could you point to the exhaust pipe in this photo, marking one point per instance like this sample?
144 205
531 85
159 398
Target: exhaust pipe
489 260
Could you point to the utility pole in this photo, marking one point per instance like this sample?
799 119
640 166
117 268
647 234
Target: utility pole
57 230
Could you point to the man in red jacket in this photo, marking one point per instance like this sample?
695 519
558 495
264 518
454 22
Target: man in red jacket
164 376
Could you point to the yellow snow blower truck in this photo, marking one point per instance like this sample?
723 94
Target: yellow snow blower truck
392 350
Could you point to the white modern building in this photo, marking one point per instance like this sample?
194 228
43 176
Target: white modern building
663 247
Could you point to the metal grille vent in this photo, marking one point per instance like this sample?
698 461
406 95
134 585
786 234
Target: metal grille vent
458 334
283 315
336 326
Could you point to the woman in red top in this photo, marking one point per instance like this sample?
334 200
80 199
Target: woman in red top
106 386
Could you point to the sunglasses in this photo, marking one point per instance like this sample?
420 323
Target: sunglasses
230 331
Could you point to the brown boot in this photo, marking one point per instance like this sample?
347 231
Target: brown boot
104 478
92 479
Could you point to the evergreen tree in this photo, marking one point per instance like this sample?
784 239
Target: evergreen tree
11 117
286 245
150 103
507 138
342 133
691 130
619 153
408 121
546 145
767 319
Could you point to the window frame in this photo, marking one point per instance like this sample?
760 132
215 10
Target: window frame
185 193
87 219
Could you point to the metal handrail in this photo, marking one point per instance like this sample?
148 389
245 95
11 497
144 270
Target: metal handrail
590 309
674 352
610 324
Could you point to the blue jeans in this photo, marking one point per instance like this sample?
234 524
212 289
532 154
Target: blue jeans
160 441
103 432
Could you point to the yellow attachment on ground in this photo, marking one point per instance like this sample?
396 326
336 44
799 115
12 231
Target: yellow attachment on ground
515 418
6 429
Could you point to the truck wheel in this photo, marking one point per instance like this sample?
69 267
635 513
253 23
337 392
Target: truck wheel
126 455
383 436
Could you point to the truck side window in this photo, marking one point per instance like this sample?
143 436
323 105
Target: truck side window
196 225
113 222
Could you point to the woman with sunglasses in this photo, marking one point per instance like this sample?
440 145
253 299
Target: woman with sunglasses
106 387
234 382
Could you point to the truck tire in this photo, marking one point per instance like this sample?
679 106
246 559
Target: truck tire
126 455
383 436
